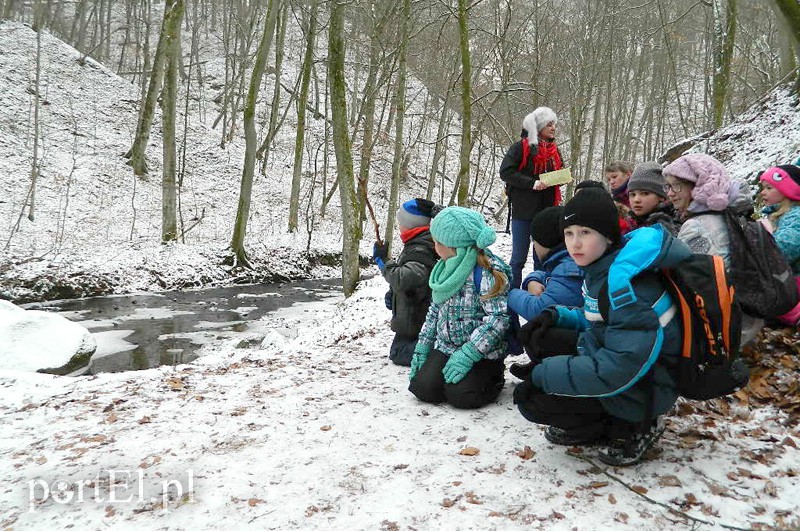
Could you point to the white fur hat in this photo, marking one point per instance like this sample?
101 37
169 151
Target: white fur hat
535 121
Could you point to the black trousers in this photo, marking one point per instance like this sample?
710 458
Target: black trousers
480 386
402 350
568 412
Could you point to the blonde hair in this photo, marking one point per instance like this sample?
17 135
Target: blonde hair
783 207
621 166
500 280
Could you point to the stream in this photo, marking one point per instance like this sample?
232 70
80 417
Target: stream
145 330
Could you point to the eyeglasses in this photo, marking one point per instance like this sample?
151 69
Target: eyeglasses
675 188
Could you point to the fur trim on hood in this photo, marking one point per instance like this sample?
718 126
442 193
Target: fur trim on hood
535 121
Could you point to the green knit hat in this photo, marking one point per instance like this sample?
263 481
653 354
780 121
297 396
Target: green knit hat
462 227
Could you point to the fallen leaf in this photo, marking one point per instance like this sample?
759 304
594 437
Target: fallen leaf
526 453
111 418
639 489
621 517
326 428
110 511
669 481
252 502
598 484
447 502
462 438
144 420
558 515
470 451
472 498
611 499
770 489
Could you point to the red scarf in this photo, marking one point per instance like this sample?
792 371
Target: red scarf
405 236
547 159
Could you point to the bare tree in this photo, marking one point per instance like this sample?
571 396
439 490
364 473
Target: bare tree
172 53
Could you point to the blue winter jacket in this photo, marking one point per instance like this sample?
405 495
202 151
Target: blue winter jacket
787 235
561 279
614 355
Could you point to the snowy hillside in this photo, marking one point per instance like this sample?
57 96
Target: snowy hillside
766 135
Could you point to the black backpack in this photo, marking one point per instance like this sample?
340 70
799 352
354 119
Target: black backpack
709 365
763 278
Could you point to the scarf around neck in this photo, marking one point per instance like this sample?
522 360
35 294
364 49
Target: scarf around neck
449 275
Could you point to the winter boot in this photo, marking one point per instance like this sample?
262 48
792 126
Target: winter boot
580 436
629 450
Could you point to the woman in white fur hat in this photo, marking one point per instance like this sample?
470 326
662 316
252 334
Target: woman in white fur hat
535 153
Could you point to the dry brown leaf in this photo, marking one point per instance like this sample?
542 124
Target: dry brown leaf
526 453
669 481
611 499
110 511
457 483
176 384
447 502
769 488
326 427
558 516
42 460
472 498
470 451
111 418
144 420
252 502
639 489
621 517
598 484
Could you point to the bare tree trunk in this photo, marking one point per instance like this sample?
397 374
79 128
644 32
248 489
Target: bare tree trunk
136 154
251 142
401 113
272 129
172 50
724 36
308 59
466 104
341 141
438 147
36 105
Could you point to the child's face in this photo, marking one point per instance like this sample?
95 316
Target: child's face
770 194
679 192
443 251
585 245
617 178
643 202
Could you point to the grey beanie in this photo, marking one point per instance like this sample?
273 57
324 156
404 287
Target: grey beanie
647 176
413 214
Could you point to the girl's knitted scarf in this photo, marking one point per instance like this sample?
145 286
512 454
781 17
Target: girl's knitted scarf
449 275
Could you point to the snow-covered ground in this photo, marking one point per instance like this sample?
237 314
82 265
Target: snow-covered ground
316 429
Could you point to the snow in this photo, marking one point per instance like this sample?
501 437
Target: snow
32 339
315 428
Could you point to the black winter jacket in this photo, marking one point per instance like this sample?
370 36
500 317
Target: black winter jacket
525 201
408 280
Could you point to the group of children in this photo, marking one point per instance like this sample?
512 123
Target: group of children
592 376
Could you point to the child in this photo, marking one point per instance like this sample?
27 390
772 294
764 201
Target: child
459 355
535 153
610 389
648 200
617 174
781 193
557 283
409 294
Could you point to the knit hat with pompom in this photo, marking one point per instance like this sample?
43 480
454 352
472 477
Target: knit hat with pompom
461 227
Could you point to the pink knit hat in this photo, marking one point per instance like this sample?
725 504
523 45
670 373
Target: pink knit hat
785 179
712 183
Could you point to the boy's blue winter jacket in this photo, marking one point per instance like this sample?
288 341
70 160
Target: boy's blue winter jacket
615 355
562 280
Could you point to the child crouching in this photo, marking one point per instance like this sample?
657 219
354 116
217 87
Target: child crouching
459 355
611 390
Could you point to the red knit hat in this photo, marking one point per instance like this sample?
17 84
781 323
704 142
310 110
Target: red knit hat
785 179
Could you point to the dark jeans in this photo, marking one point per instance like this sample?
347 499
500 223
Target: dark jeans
402 350
480 386
520 249
556 341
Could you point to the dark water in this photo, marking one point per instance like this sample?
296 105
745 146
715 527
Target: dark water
130 329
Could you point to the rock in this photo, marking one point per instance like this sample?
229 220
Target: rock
250 340
38 341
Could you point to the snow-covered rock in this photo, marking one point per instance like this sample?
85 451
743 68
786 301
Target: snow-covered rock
33 340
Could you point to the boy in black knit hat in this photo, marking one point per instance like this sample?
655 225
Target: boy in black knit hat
610 389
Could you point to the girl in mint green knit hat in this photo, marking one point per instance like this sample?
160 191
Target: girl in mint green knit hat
459 355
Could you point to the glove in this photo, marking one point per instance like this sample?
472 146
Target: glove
380 251
417 361
531 334
459 364
523 390
387 299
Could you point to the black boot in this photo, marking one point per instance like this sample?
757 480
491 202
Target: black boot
580 436
629 450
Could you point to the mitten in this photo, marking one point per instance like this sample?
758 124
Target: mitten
523 390
531 334
459 364
417 361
